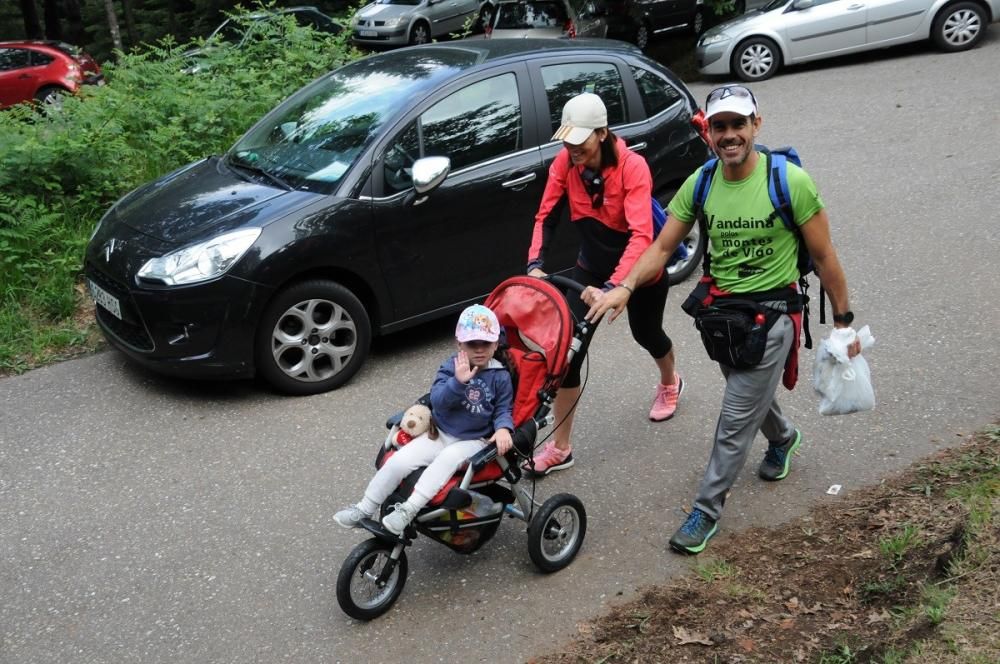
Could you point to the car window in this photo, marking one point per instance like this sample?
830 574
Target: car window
525 15
565 81
14 58
657 93
474 124
39 59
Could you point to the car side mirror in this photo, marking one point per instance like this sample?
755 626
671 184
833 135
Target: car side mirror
427 174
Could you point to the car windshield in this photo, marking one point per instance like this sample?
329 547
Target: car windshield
524 15
774 4
313 138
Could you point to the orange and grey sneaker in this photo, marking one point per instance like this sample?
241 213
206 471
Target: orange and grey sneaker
549 459
665 403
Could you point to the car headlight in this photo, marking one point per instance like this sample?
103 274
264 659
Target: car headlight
708 40
395 22
202 261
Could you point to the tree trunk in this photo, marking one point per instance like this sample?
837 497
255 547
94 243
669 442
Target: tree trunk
74 21
53 28
32 28
116 37
133 39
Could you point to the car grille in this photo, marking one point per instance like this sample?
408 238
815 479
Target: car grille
371 24
130 330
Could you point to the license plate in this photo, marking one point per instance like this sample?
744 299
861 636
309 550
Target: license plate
367 33
105 299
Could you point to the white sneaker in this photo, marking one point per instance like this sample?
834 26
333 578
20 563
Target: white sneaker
397 520
350 517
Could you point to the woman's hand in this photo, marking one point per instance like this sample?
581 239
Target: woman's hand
503 441
463 371
591 296
537 272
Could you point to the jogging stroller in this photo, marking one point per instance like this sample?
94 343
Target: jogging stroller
543 340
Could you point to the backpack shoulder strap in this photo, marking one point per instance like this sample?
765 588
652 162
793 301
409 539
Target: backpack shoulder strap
777 188
703 184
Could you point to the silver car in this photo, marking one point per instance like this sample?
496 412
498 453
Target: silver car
519 19
401 22
785 32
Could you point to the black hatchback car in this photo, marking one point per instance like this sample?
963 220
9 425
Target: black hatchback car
391 191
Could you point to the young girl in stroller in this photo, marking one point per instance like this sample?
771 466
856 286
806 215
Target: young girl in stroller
540 344
472 397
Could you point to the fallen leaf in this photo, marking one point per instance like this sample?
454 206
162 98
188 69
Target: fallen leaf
792 604
815 608
743 613
878 617
746 644
788 623
867 553
685 637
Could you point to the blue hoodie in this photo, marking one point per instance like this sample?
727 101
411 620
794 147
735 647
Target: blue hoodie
476 409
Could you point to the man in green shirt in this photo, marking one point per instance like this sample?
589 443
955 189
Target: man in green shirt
752 253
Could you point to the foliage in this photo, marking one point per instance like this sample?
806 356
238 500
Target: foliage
60 172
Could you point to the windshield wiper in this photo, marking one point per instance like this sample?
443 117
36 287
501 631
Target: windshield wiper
254 168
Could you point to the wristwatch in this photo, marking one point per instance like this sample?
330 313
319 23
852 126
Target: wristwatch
845 318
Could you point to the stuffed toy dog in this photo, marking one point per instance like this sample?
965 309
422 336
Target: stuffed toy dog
416 420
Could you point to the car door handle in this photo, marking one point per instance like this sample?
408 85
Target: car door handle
638 147
853 7
517 182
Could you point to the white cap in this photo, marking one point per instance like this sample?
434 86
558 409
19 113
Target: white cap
731 99
580 117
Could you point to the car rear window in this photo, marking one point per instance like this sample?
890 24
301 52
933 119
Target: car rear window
525 15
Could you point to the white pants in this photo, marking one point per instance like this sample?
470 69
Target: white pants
442 457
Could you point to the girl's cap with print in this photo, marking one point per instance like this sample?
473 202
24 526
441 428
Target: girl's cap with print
477 323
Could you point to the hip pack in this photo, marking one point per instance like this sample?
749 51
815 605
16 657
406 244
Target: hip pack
734 332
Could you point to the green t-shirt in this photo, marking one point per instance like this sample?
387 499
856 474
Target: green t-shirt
751 250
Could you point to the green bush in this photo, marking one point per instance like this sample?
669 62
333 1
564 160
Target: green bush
60 171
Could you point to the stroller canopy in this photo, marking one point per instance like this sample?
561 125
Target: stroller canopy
535 317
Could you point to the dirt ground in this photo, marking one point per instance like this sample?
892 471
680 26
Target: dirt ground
907 571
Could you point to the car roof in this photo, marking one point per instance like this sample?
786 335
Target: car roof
489 50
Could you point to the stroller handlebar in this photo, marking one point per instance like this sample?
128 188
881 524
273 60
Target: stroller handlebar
565 282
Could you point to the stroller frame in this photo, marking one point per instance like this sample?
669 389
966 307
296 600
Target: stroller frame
373 575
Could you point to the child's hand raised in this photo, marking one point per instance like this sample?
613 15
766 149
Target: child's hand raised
463 371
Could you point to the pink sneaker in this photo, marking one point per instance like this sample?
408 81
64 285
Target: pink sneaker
665 403
549 459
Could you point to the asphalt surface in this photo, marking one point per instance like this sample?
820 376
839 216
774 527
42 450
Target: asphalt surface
144 519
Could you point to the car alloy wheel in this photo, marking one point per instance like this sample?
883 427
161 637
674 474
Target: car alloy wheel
420 34
312 338
959 27
756 59
486 17
642 36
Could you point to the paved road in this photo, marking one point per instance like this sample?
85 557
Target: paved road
150 520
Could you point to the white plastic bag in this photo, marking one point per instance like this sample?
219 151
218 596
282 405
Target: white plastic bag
844 384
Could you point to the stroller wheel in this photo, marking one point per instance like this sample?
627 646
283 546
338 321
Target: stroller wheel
361 592
556 532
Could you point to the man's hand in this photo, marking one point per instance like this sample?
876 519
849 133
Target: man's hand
503 440
614 301
463 372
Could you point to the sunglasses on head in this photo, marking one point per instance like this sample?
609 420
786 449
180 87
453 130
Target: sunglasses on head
730 90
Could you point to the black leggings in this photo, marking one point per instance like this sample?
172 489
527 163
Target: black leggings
645 316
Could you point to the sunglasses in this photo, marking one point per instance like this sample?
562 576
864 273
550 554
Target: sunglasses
730 91
594 184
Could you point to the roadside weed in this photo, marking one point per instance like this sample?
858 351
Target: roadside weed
895 548
715 569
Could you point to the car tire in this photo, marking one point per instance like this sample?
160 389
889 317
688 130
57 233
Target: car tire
695 243
50 97
959 27
312 338
486 15
420 33
698 22
643 33
756 59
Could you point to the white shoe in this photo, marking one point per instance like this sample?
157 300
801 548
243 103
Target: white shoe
350 517
397 520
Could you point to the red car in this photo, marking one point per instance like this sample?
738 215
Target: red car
43 71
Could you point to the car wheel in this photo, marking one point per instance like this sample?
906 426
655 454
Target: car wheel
486 16
642 35
420 33
695 242
698 22
50 98
959 27
756 59
312 338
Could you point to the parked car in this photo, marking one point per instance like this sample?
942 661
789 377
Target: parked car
785 32
44 71
402 22
638 21
313 232
549 18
